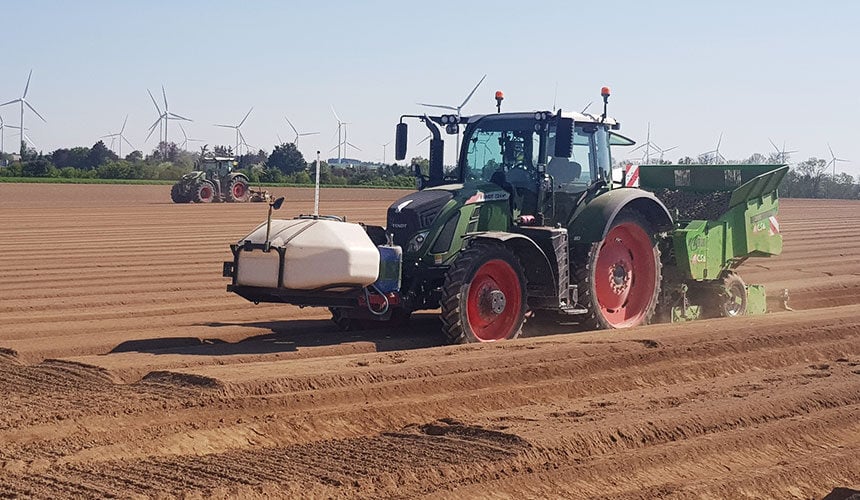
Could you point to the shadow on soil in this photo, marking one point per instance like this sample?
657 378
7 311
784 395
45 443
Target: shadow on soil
423 330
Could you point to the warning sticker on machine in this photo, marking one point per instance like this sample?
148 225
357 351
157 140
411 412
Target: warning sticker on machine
480 196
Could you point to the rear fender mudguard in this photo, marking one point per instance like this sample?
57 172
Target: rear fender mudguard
593 222
536 266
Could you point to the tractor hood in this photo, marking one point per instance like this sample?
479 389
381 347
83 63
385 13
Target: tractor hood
416 211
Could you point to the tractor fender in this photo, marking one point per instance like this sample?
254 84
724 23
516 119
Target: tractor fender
233 175
593 222
536 265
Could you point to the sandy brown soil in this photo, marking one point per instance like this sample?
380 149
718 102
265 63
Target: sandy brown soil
127 370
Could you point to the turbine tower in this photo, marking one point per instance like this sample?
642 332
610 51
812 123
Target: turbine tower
24 102
457 108
298 134
384 146
163 118
118 136
240 139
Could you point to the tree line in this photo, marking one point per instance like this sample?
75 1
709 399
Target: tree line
284 165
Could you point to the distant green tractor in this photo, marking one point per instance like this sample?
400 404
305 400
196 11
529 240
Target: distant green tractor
213 180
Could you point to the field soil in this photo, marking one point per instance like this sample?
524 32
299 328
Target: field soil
127 370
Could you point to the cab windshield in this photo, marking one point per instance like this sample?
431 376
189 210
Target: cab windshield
506 149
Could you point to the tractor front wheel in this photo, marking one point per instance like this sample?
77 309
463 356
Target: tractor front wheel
204 193
484 295
619 282
177 194
238 190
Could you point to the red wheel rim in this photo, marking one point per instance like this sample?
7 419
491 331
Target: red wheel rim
625 275
205 193
239 190
494 301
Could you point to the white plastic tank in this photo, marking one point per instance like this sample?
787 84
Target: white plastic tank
317 254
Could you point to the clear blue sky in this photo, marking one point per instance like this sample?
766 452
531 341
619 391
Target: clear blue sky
785 70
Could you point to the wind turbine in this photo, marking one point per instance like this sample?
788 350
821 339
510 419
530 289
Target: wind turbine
834 160
714 155
781 156
24 102
186 139
240 139
383 151
342 142
296 141
3 127
163 118
647 144
458 109
118 136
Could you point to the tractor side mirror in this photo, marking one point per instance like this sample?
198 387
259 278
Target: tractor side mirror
400 141
276 205
563 138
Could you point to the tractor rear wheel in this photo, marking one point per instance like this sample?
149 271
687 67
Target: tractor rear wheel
204 193
484 295
177 194
237 191
619 276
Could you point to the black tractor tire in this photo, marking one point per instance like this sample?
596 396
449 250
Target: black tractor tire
177 194
204 192
238 190
619 277
484 295
729 300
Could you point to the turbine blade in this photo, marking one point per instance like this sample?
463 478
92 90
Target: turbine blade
183 131
335 147
335 113
123 124
472 92
774 145
292 126
164 94
353 145
27 87
452 108
157 122
151 130
831 150
246 117
27 138
34 111
153 101
126 141
586 107
309 133
422 141
178 117
13 101
225 126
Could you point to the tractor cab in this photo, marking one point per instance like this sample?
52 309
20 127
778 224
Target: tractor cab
543 161
216 167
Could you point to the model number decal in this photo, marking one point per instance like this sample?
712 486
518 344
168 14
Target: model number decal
480 197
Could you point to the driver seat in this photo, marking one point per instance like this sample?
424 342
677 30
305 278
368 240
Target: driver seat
563 170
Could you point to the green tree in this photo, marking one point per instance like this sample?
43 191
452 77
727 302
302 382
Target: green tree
287 159
134 156
812 171
40 167
99 155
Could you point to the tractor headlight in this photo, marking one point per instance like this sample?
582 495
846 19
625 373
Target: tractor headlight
416 242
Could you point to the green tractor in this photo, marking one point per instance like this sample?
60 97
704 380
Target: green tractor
213 180
531 224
